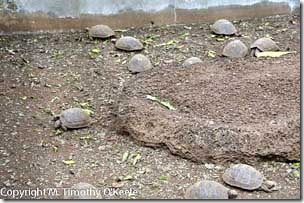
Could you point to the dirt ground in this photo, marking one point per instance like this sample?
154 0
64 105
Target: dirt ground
43 74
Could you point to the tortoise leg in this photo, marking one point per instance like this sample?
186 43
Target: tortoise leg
57 124
64 127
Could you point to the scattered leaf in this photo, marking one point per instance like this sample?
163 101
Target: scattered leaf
125 156
296 164
95 51
136 159
120 30
273 53
88 112
55 149
69 162
211 54
58 132
128 177
296 173
220 39
267 23
163 178
164 103
84 105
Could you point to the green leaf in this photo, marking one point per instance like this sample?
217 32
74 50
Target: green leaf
220 39
84 105
296 164
95 51
69 162
120 30
273 53
136 159
164 103
164 178
88 112
128 177
211 54
125 156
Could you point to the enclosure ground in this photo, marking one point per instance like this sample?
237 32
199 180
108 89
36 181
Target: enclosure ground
43 74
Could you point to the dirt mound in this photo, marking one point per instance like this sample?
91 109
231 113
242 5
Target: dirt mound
245 112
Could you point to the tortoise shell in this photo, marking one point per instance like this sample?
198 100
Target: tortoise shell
207 190
129 44
74 118
101 31
223 27
265 44
235 49
243 176
191 61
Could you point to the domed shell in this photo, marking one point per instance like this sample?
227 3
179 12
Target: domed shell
265 44
139 63
101 31
129 44
207 190
235 49
243 176
223 27
74 118
192 60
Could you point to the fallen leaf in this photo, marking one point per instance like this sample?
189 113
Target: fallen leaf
69 162
125 156
84 105
128 177
164 178
136 159
88 112
220 39
273 53
120 30
212 54
95 51
296 164
164 103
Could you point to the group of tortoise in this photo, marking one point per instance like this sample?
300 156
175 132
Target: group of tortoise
240 175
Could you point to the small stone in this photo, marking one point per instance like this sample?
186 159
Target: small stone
191 61
139 63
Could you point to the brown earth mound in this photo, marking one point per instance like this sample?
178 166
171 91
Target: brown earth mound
245 113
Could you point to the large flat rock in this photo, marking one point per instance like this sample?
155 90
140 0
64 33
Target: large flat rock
245 113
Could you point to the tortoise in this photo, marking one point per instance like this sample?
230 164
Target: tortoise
263 44
139 63
101 31
246 177
223 27
72 118
192 60
235 49
129 44
207 189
